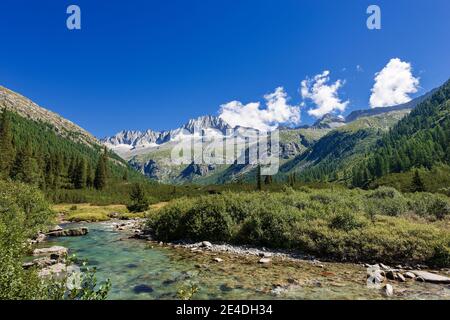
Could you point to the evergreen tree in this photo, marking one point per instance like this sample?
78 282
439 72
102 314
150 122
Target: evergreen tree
101 171
417 184
258 178
125 175
26 168
139 199
89 176
6 146
79 181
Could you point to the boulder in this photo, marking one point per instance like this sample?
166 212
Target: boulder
400 277
206 244
69 233
55 228
391 275
53 270
218 260
409 275
55 251
388 290
431 277
265 260
265 254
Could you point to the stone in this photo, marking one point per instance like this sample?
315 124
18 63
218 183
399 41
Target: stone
265 260
388 290
69 233
265 254
431 277
142 288
55 228
206 244
409 275
391 275
384 267
218 260
53 270
400 277
55 250
27 265
45 262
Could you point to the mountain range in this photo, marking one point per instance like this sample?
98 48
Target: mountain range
334 148
149 151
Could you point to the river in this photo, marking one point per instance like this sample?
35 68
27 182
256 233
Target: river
142 270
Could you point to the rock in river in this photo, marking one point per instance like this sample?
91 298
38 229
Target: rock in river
388 290
69 233
265 260
142 288
431 277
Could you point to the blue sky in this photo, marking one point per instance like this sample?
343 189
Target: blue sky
154 64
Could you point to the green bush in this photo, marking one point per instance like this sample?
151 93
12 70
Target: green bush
346 221
387 201
430 205
317 223
208 219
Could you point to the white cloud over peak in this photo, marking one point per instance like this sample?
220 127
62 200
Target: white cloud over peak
393 84
324 96
277 112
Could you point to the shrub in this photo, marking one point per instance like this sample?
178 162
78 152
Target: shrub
430 205
386 201
209 219
315 223
346 221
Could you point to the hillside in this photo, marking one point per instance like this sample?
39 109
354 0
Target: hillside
26 108
422 139
41 148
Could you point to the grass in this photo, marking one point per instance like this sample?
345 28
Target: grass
93 213
383 225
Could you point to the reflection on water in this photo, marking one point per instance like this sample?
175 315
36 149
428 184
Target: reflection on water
139 271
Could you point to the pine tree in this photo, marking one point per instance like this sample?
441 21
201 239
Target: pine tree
79 181
139 199
258 178
26 168
6 146
89 176
125 175
417 184
101 171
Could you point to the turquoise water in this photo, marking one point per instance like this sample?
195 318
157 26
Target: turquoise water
139 271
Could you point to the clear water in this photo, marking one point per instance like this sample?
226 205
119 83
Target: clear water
139 270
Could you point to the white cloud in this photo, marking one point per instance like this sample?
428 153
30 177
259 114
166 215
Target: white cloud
277 112
359 68
324 96
393 84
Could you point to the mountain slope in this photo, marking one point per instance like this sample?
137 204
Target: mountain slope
330 158
50 151
422 139
26 108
